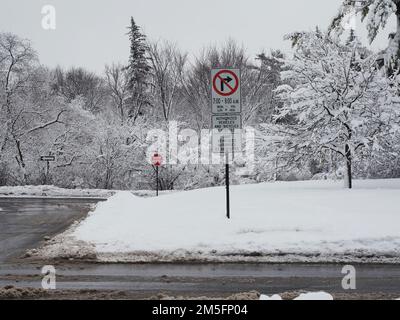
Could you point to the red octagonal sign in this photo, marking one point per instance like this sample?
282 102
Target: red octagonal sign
156 160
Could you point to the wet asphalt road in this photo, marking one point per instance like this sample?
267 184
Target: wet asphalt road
25 222
209 279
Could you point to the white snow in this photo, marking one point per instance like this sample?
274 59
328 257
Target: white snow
285 221
274 297
52 191
321 295
314 296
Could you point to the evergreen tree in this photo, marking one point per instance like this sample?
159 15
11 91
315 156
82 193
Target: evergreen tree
138 71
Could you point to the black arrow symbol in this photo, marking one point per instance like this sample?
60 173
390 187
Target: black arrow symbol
224 81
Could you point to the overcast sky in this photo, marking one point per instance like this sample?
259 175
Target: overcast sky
91 33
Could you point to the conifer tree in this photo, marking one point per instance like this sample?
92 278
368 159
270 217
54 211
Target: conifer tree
138 71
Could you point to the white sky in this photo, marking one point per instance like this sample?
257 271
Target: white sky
91 33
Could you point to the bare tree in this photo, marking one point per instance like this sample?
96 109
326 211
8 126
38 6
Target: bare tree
167 64
79 83
117 83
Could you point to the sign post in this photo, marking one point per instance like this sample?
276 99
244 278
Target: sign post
228 209
156 160
226 107
48 159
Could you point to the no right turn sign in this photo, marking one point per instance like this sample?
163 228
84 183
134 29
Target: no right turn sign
225 91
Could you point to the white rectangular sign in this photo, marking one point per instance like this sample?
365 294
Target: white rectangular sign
223 142
225 88
230 122
226 133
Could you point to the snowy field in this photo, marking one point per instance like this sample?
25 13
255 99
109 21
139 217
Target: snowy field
315 221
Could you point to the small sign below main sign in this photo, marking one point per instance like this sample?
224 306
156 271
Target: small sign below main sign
229 121
227 142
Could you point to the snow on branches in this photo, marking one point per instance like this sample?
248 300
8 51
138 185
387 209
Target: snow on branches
335 101
376 14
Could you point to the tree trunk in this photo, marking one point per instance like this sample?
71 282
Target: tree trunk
349 175
21 162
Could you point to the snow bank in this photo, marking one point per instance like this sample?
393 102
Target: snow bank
52 191
314 296
290 221
303 296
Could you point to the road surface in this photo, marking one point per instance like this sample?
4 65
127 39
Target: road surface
25 222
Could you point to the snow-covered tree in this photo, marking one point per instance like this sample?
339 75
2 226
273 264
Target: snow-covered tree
79 83
376 13
26 108
336 101
266 78
138 71
17 57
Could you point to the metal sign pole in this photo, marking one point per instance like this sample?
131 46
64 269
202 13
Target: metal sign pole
228 213
47 170
157 181
49 158
156 160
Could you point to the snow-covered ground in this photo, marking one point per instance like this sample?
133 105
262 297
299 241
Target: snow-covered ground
54 192
314 296
274 297
314 221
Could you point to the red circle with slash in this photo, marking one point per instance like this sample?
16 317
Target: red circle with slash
231 88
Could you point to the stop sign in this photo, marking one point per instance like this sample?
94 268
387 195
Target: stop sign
156 160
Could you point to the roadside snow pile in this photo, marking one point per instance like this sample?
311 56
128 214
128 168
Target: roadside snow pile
303 296
314 296
314 221
52 191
